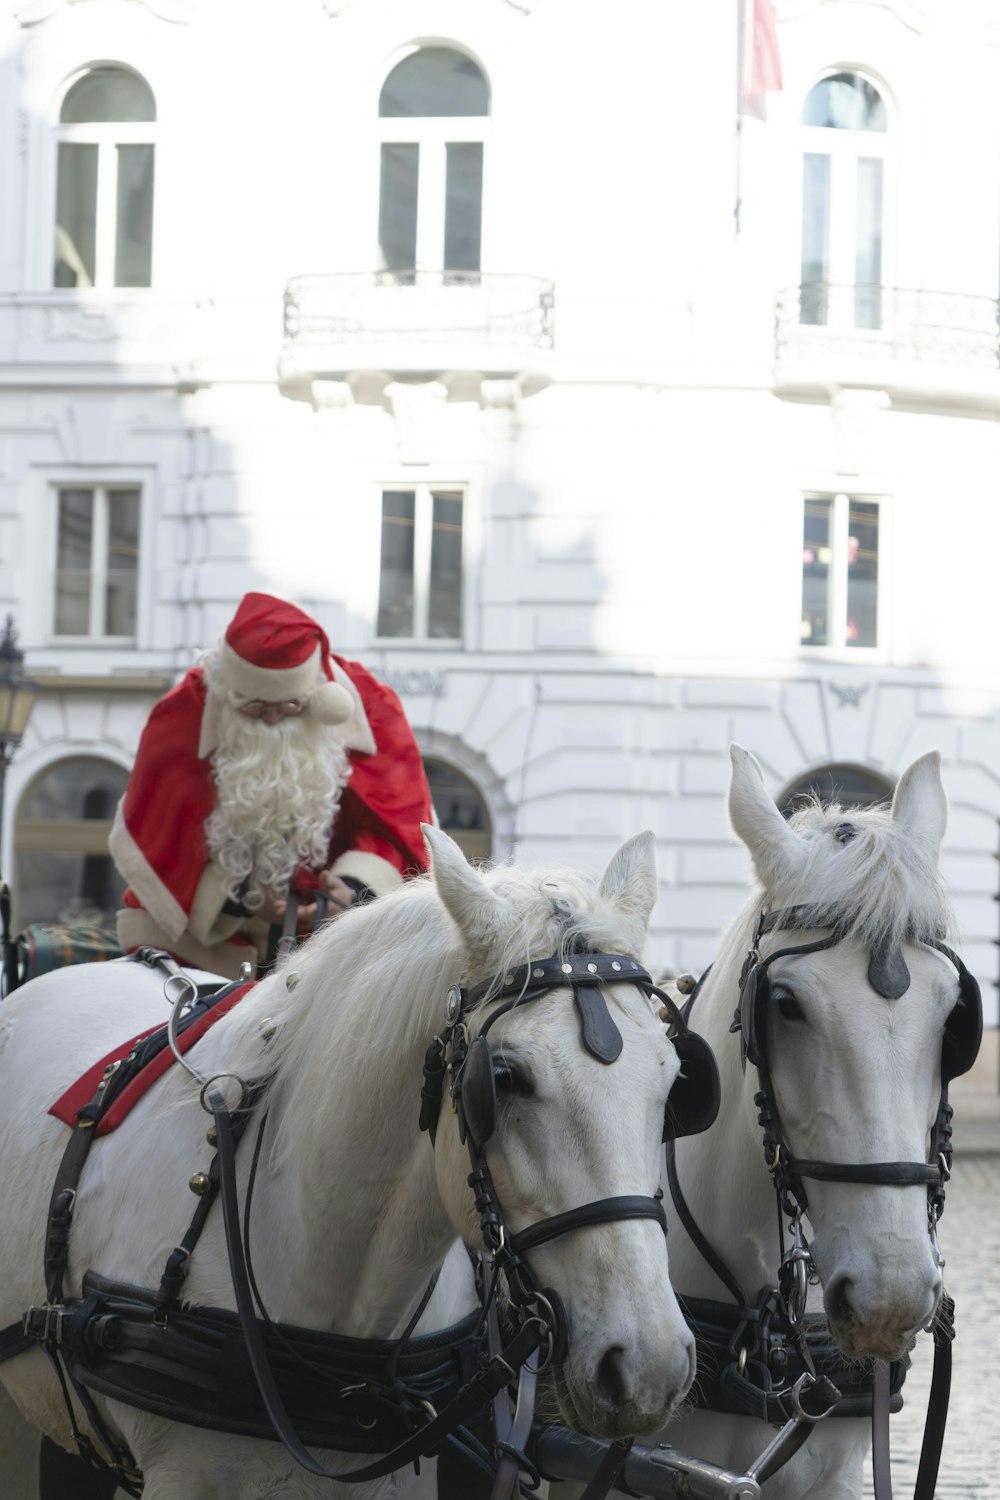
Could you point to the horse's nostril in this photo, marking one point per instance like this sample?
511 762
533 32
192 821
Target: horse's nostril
610 1380
838 1299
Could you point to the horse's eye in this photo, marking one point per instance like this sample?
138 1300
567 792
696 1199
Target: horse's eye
510 1081
789 1006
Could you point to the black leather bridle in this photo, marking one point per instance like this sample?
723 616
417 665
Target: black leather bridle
473 1096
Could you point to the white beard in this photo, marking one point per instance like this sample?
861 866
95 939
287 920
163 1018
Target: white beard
279 788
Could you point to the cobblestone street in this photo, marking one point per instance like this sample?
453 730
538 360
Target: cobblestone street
970 1235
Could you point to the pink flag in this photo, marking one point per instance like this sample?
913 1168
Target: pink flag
761 58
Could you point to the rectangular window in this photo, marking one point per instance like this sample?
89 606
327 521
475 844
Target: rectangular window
97 558
76 216
463 210
134 223
815 238
868 246
397 218
840 571
421 578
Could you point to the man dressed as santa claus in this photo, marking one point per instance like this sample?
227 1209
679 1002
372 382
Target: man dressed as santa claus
273 766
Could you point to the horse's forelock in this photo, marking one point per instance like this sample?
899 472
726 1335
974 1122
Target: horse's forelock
867 874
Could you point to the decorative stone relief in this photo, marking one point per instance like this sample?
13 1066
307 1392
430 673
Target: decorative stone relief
418 410
331 395
500 395
849 695
75 323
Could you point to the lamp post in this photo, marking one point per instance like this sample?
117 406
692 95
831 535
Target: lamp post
17 698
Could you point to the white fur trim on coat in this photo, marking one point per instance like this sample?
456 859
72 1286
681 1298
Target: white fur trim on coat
143 879
373 871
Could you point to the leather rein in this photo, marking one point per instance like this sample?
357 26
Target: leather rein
769 1342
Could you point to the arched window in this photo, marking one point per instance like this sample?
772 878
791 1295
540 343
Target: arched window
433 113
63 871
842 783
104 181
460 808
845 143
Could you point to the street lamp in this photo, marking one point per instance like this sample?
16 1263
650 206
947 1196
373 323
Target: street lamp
17 699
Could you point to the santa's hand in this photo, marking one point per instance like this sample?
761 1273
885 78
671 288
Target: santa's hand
336 889
272 909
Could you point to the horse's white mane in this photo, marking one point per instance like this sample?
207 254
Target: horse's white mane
378 977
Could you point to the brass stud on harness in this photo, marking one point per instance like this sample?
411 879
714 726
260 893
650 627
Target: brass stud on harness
199 1183
685 983
291 980
211 1136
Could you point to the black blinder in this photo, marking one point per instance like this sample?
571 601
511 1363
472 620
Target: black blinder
963 1030
696 1095
478 1093
753 1003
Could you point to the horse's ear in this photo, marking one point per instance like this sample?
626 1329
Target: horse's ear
630 879
919 804
478 911
777 852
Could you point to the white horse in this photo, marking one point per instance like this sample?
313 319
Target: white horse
352 1209
855 1077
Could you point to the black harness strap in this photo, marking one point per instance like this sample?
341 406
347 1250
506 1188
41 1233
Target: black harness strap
488 1383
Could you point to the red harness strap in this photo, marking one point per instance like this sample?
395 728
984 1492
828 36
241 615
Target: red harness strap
80 1093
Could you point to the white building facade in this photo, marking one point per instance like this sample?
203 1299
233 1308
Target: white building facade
605 431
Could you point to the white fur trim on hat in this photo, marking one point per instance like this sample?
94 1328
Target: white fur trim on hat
271 684
331 704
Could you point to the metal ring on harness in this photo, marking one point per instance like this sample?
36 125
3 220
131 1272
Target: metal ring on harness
214 1079
549 1324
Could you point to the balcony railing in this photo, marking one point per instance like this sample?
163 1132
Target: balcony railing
903 325
406 308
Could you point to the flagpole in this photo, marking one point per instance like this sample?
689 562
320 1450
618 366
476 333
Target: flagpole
740 74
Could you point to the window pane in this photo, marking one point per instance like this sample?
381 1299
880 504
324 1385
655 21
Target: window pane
460 809
397 218
108 94
123 561
845 102
817 560
395 597
73 562
84 787
868 251
76 215
445 611
435 81
815 237
463 213
54 886
134 230
862 574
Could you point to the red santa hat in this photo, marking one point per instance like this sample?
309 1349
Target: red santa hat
273 651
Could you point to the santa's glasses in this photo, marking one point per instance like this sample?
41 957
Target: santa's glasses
260 708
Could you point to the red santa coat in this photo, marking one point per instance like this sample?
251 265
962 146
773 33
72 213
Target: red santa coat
158 840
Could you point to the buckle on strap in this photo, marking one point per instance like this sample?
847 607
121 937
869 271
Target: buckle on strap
45 1324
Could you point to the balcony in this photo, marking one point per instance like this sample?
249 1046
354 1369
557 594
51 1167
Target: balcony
923 347
373 326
